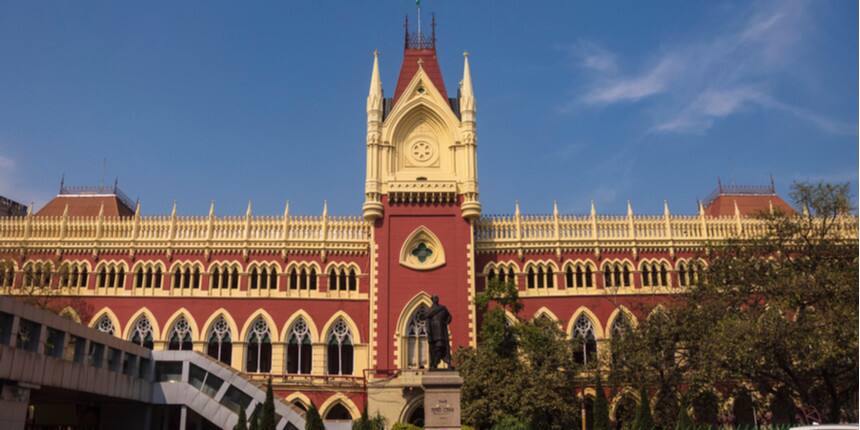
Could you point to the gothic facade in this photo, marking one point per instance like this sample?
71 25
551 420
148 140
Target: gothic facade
330 307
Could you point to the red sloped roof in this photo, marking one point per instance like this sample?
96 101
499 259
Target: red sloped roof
410 66
85 206
748 205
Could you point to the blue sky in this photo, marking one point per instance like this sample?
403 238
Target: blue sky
577 101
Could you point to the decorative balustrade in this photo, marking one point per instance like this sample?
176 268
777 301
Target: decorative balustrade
545 232
319 233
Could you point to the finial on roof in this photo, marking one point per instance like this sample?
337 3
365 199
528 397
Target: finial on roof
629 208
406 31
248 211
555 208
101 210
517 208
66 210
137 208
666 207
719 185
737 211
593 209
173 210
212 208
62 182
325 208
115 183
30 209
772 185
420 62
287 209
433 29
701 208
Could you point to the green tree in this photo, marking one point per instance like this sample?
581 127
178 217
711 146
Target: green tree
533 356
643 412
254 422
684 422
601 407
242 423
313 420
267 417
364 422
776 311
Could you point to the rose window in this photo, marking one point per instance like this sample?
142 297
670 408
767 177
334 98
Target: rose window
422 151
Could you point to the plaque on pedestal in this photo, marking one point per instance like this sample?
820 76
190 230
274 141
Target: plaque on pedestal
442 400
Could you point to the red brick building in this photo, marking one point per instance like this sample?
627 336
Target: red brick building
329 306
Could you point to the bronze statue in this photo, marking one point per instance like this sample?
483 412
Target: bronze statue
437 334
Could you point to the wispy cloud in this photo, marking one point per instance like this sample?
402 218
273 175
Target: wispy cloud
711 77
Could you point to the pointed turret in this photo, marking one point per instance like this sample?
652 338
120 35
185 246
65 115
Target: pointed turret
173 211
248 211
467 94
212 209
374 96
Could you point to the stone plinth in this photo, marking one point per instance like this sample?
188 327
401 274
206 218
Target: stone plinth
442 399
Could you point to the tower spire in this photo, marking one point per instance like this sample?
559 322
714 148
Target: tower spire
467 95
374 96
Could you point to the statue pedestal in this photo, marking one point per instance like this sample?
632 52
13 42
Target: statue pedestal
442 399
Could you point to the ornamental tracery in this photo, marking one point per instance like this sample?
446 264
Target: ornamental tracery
340 349
422 250
219 345
105 325
585 342
417 352
259 356
142 332
299 350
180 335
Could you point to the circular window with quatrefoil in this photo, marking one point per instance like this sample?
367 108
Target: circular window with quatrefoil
422 152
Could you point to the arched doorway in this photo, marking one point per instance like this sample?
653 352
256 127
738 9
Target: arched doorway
414 412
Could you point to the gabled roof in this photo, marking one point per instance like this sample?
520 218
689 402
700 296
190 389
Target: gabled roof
419 48
429 63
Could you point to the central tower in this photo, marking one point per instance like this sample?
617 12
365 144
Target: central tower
421 144
421 195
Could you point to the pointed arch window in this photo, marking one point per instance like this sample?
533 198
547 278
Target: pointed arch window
340 350
338 412
259 355
180 336
142 333
253 278
105 325
219 344
584 341
7 274
620 325
417 348
299 348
